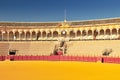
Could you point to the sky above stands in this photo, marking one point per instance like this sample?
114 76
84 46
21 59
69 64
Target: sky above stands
53 10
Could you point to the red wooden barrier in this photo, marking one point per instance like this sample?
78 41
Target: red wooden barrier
2 58
77 58
62 58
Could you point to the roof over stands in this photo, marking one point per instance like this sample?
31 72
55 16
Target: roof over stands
72 23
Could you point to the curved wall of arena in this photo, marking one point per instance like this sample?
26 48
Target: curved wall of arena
91 47
94 48
27 47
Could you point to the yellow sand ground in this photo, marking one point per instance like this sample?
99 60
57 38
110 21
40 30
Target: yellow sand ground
48 70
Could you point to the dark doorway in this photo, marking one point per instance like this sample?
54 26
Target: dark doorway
12 53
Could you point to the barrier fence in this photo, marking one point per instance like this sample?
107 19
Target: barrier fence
53 58
61 58
2 58
111 60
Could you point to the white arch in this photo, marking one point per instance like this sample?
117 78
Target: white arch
16 36
55 34
33 35
72 34
28 35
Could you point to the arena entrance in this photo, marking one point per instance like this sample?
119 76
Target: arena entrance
12 52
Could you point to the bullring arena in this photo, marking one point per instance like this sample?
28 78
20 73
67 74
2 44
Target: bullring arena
60 50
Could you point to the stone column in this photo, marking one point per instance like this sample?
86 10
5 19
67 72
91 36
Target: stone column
7 35
117 31
14 37
25 35
19 35
52 34
36 35
104 31
75 33
3 32
31 37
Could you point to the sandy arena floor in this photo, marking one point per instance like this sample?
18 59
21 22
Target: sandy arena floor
48 70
